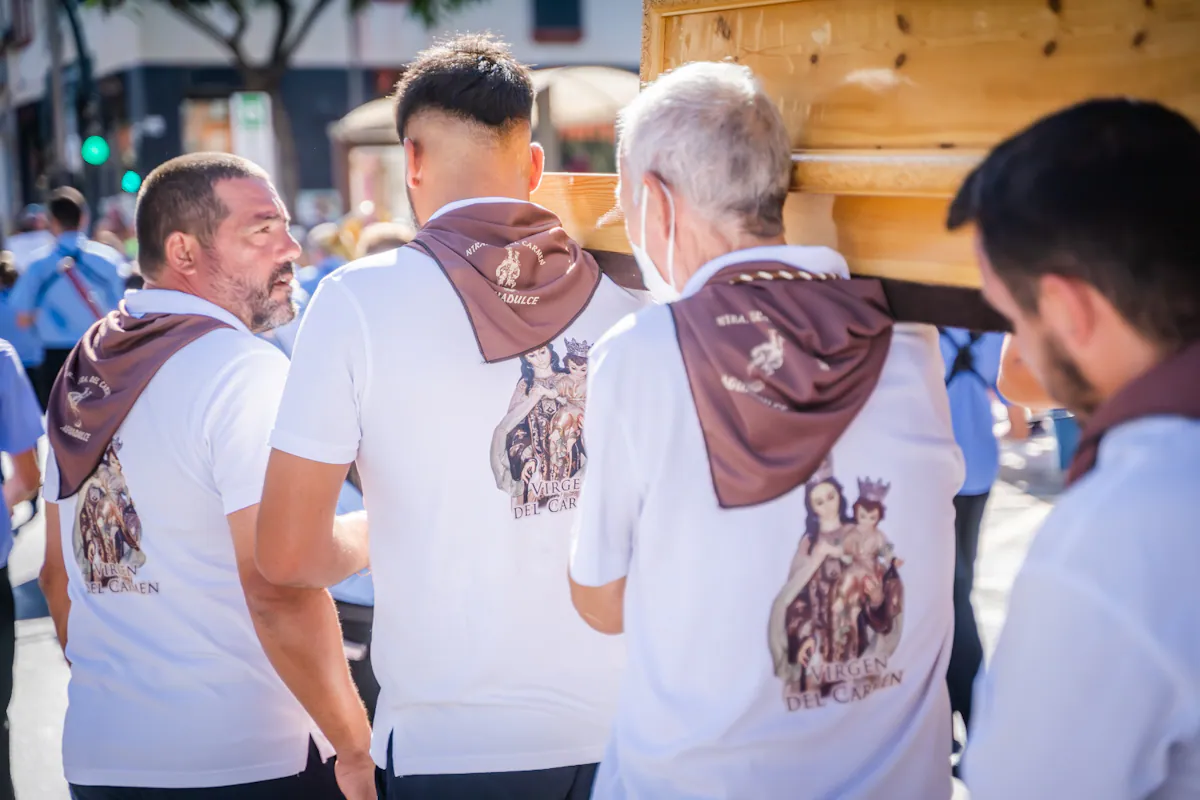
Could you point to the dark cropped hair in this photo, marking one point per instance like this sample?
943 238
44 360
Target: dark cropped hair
178 196
473 77
1107 192
67 207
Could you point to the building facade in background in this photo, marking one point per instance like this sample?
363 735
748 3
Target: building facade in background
164 87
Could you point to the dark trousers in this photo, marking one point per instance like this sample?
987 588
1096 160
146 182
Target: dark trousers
43 380
356 630
561 783
316 782
966 656
8 645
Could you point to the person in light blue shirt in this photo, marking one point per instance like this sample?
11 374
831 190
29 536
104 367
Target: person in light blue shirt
972 366
67 287
20 429
24 340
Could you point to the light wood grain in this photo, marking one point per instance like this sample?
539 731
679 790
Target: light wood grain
893 237
927 74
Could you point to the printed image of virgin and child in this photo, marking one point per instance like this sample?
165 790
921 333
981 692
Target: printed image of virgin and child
539 443
843 599
108 531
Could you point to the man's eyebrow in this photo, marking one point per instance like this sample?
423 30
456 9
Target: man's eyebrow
270 216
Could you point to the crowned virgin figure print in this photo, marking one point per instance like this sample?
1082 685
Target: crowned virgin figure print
838 618
537 451
108 532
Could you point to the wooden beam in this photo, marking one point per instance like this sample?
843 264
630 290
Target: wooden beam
881 236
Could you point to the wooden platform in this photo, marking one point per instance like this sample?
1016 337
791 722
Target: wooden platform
889 103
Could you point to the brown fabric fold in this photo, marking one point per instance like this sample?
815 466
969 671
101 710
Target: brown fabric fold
102 378
780 362
1172 388
521 279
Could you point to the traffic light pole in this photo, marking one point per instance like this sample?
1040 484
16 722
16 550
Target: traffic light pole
89 116
58 105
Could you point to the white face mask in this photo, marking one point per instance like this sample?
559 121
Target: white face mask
663 291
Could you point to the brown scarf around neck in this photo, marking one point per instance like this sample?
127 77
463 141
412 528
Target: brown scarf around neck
102 378
1172 388
521 279
780 361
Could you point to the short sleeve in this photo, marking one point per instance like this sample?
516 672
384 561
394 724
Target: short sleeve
611 499
237 423
20 415
50 480
319 418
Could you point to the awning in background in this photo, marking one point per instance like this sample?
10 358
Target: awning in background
579 98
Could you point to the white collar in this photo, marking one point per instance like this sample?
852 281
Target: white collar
470 201
819 260
168 301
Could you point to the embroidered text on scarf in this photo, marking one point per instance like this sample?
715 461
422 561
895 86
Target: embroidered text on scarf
780 361
103 377
521 279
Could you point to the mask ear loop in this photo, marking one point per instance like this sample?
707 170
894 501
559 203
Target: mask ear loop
670 240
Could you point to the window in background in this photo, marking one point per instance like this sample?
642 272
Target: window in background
557 21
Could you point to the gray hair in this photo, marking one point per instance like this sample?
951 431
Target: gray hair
710 132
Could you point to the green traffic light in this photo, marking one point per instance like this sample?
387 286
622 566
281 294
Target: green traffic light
131 182
95 150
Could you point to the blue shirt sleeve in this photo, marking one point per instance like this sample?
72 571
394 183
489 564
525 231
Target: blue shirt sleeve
20 415
24 293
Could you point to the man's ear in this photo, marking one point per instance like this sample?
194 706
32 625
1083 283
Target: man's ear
658 214
182 252
412 165
537 156
1068 307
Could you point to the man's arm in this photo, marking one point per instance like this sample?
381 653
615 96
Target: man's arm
24 292
1078 701
601 607
26 479
301 636
602 546
300 542
53 577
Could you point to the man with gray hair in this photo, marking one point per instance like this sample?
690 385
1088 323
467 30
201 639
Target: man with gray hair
786 637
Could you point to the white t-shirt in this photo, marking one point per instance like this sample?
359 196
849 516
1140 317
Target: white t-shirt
170 687
1094 688
716 598
470 475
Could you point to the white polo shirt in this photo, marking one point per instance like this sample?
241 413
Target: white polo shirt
1094 688
716 599
470 474
170 687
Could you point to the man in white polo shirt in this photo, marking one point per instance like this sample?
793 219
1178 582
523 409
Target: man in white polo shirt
453 371
768 512
1088 241
158 429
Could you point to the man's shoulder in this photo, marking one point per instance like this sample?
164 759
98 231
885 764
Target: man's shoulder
102 252
229 352
645 333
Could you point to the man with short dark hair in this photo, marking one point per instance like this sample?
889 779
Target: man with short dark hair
453 371
1087 239
158 428
67 288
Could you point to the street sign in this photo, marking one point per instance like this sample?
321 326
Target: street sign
251 129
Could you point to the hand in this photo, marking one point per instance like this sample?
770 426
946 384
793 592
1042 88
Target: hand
356 775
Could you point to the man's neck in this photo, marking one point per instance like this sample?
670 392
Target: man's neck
710 245
460 194
171 284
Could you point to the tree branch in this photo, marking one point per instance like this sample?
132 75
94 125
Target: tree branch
305 26
278 58
205 26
